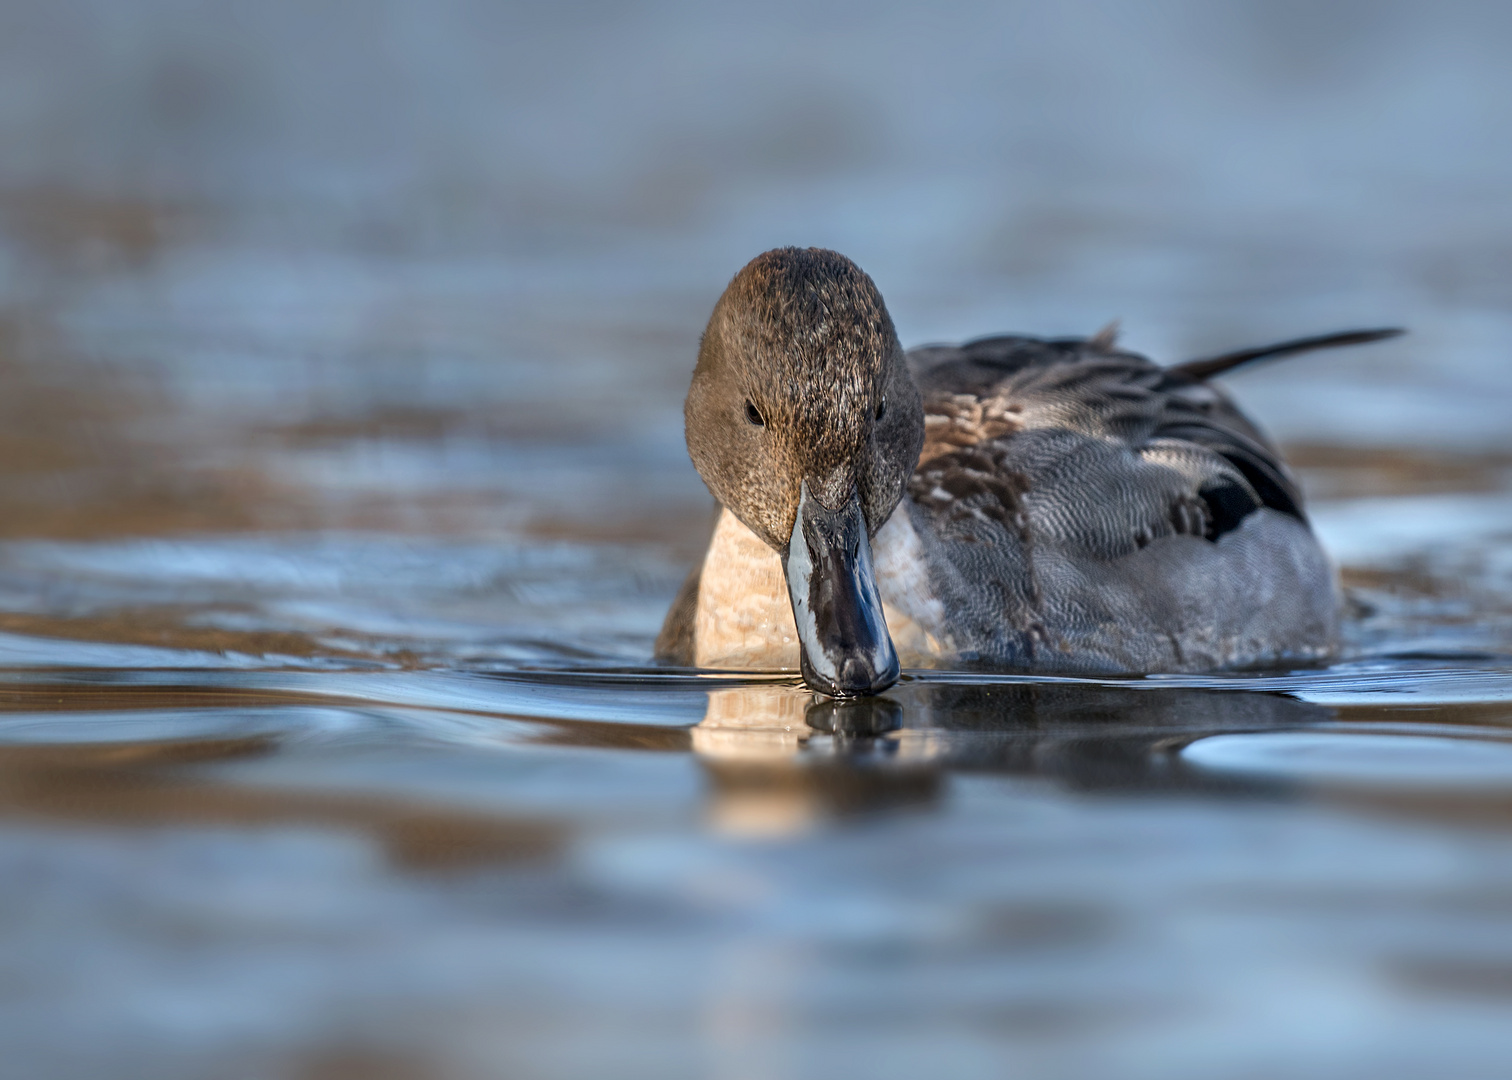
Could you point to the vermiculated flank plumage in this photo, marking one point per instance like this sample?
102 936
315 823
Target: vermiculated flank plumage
1083 509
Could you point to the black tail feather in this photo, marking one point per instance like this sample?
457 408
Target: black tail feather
1217 365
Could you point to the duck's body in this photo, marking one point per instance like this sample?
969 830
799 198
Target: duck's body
1046 505
1075 508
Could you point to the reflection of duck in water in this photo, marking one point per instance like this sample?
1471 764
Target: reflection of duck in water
780 760
1066 505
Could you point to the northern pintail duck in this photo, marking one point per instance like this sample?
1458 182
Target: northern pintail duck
1044 505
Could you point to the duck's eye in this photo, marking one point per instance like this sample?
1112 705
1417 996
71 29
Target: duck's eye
881 408
753 414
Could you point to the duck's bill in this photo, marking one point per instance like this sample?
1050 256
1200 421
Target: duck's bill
846 649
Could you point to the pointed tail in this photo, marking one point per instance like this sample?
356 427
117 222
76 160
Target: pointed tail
1210 366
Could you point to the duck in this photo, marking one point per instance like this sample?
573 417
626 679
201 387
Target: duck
1040 505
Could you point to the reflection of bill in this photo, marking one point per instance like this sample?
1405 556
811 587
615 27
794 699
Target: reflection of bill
782 759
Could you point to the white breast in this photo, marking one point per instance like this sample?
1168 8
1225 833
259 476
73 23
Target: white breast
745 620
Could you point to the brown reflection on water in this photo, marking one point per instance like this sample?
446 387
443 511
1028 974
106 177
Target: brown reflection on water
75 697
366 1063
160 783
86 448
88 452
72 231
179 627
613 735
135 786
81 789
1335 471
1475 806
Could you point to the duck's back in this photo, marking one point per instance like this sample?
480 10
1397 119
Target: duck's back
1077 507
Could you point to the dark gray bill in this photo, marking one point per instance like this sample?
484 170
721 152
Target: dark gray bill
845 646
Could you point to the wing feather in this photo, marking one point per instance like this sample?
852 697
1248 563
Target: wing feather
994 390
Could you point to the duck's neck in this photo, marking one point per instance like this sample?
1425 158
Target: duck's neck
745 619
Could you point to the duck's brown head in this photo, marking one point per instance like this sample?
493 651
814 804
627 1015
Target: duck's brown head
804 422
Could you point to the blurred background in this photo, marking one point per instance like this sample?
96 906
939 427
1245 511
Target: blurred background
440 268
289 263
352 337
